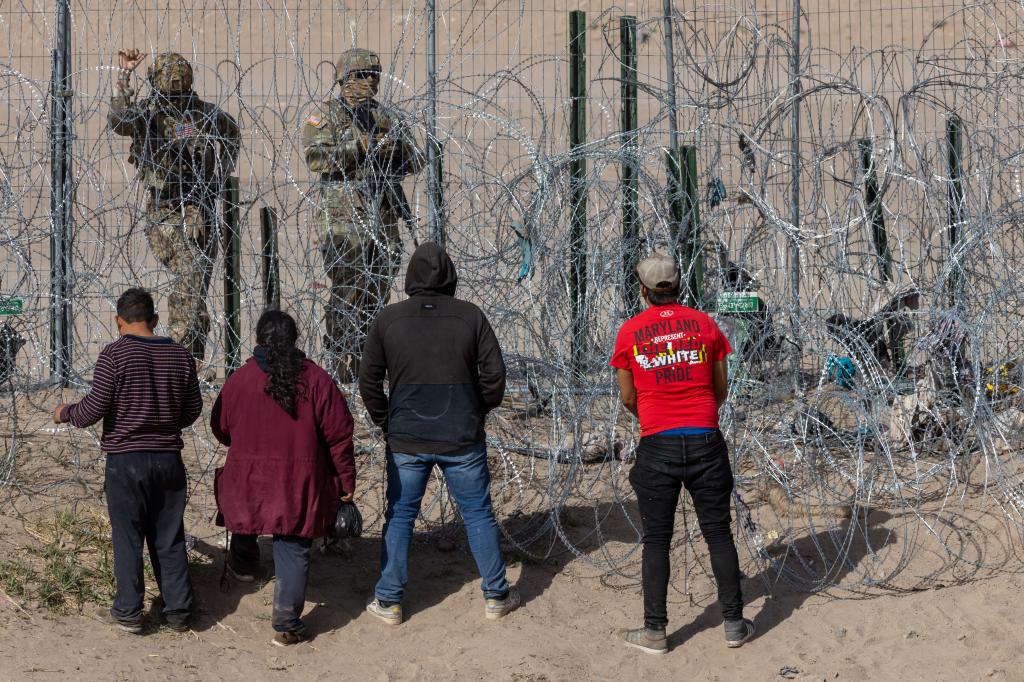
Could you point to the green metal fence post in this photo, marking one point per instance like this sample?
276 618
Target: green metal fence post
61 201
438 230
435 162
684 204
232 273
630 172
955 152
578 191
876 218
691 207
271 263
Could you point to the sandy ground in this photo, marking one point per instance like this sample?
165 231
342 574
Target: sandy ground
946 609
563 632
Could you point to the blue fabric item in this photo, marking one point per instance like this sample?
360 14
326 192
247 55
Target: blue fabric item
469 483
841 370
685 431
526 248
716 192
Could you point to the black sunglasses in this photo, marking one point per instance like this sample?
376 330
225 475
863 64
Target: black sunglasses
365 74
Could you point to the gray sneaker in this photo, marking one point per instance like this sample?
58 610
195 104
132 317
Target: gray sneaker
649 641
499 608
737 632
392 615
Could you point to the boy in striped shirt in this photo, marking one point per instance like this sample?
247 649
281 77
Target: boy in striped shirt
145 390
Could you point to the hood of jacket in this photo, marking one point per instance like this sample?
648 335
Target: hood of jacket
430 271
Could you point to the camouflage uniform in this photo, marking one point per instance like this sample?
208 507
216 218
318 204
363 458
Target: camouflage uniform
361 151
185 149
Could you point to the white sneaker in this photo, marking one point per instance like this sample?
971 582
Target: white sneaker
392 615
499 608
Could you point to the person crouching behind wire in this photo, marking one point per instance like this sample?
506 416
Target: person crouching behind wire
290 464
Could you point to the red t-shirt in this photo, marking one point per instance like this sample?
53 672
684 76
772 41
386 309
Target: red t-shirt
670 350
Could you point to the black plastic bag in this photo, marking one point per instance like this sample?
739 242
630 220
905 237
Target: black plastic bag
348 523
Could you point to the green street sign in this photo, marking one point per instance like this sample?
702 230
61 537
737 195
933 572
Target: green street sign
11 306
738 302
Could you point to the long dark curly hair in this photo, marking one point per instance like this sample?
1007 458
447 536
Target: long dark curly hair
276 333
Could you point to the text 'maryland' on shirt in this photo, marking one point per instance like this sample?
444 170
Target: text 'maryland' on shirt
670 351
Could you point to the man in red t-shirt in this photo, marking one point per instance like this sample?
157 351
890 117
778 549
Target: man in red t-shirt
670 364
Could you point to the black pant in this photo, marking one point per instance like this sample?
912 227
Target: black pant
146 502
701 463
291 573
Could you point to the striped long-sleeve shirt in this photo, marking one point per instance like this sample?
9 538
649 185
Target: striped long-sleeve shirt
145 390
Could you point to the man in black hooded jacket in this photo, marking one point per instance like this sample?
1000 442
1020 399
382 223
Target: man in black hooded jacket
445 373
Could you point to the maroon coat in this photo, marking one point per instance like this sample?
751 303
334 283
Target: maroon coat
282 475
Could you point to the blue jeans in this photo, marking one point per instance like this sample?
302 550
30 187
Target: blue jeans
469 483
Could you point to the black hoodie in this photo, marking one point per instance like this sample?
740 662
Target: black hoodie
441 359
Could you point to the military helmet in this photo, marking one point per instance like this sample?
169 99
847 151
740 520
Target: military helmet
356 59
171 73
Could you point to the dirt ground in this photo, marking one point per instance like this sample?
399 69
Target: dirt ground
944 606
563 632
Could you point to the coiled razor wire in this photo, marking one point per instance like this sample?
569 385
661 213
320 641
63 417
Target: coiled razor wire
874 421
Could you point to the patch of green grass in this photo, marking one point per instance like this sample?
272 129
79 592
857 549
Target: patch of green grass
73 561
16 577
64 582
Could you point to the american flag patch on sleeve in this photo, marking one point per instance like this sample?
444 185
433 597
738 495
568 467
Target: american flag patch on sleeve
185 130
315 121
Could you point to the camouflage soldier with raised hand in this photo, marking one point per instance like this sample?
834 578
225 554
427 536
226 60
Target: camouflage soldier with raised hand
361 150
184 149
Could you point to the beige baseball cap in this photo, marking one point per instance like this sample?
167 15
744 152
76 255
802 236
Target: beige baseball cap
658 273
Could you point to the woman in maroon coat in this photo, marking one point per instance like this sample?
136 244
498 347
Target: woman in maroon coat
289 465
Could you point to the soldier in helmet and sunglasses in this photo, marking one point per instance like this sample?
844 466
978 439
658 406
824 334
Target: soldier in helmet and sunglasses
184 149
359 150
